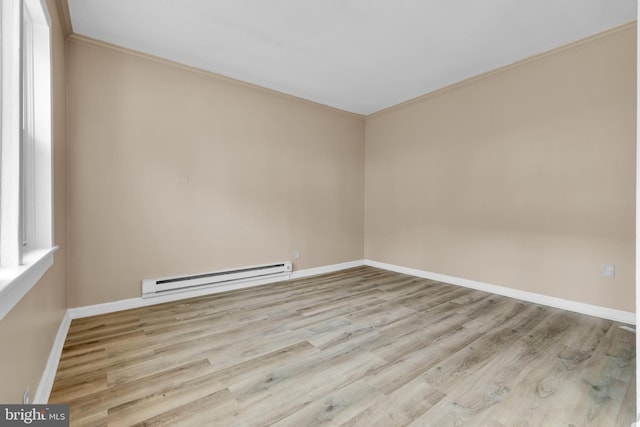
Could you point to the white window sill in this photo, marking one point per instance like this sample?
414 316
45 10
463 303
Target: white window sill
16 282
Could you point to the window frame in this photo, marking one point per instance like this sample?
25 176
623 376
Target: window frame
26 160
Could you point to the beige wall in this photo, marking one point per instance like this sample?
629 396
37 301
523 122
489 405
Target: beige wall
28 331
523 178
175 171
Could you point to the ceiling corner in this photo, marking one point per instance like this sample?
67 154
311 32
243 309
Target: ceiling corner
65 17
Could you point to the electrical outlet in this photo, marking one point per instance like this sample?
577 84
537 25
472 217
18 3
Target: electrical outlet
609 271
26 399
296 254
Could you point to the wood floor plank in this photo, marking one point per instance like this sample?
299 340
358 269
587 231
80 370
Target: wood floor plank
360 347
149 406
395 347
605 378
301 374
160 382
335 408
282 394
554 356
400 408
626 414
197 413
400 371
460 365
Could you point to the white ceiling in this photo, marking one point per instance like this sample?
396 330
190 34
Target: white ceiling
356 55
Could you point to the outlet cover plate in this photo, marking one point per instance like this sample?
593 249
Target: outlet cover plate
609 271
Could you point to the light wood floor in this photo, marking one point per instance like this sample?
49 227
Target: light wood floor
362 347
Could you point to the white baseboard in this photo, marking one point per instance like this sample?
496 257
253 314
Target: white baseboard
575 306
126 304
326 269
49 374
110 307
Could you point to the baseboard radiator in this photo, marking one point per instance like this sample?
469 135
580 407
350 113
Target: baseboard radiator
244 275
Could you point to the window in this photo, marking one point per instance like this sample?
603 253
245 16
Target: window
26 236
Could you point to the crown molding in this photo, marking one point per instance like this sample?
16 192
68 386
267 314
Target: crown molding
533 58
79 39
